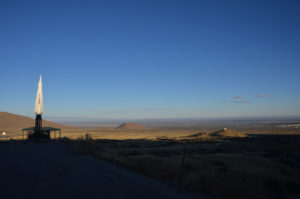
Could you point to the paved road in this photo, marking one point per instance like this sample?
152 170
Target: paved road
52 171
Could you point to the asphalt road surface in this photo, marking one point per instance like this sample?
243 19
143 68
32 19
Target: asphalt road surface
41 171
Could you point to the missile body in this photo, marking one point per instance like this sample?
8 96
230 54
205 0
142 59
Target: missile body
39 105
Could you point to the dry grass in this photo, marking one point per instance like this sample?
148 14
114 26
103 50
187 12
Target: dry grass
257 167
154 133
253 167
116 134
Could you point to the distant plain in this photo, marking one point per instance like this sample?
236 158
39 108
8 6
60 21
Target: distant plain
222 158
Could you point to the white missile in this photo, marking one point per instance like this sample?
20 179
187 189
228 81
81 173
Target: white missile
39 105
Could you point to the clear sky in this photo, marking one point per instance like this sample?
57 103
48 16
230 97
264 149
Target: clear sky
151 59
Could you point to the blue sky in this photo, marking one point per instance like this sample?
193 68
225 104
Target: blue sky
151 59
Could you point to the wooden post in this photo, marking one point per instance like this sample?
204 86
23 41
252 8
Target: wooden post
181 169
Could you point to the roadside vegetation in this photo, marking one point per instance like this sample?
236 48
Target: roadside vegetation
257 166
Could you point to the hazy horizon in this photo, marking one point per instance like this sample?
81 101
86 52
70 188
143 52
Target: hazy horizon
73 120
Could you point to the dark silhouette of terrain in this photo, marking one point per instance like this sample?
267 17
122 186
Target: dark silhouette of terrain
224 167
46 170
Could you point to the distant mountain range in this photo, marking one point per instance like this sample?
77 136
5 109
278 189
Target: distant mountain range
13 121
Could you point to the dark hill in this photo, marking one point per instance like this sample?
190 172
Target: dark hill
13 121
227 133
131 126
224 133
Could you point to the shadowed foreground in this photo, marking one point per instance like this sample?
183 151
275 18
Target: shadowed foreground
224 167
52 171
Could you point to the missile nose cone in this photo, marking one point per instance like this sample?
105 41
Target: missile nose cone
39 106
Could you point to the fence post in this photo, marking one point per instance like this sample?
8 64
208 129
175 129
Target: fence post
181 169
118 154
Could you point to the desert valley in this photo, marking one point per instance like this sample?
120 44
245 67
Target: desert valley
223 159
